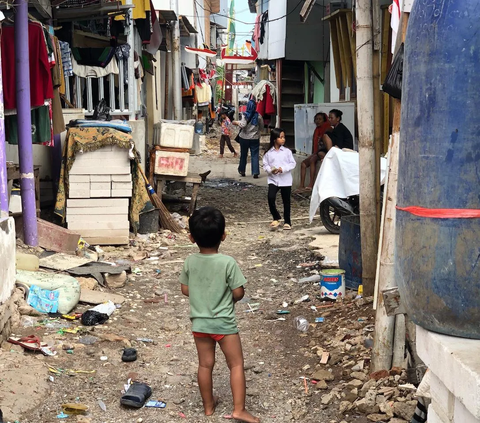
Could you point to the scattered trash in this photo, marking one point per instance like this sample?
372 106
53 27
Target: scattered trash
136 395
129 355
62 415
283 312
32 343
55 324
301 323
137 271
284 304
88 340
308 264
301 300
99 314
74 409
102 405
28 321
155 404
325 357
313 278
319 319
147 340
43 300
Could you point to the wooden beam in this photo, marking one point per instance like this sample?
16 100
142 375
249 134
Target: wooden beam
343 25
343 61
336 53
351 37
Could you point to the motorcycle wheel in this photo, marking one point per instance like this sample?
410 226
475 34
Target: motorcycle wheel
330 218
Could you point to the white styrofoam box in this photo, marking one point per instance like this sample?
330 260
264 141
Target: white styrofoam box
100 193
121 178
78 178
79 190
100 178
454 361
171 163
81 226
94 211
121 193
86 218
103 232
433 416
96 186
174 135
99 168
96 203
121 185
107 240
443 398
95 162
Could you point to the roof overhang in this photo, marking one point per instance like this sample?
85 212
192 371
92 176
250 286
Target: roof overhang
186 28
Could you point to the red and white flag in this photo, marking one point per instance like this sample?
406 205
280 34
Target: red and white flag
395 9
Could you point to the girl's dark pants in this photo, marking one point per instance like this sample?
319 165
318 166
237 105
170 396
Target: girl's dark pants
272 195
226 139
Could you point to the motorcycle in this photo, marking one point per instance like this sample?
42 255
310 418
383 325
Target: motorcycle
337 188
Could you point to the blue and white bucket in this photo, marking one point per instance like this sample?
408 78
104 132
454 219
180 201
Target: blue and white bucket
332 283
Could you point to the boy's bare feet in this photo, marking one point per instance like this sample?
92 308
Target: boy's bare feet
211 409
245 416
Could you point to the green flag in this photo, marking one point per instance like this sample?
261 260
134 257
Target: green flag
231 26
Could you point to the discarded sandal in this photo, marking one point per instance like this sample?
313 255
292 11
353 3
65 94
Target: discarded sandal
31 342
129 355
136 395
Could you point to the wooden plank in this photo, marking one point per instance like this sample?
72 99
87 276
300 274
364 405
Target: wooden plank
385 43
61 261
336 53
108 240
346 48
101 226
343 68
386 120
103 203
98 297
353 46
55 238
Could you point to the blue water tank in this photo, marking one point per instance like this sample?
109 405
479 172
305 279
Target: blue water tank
437 260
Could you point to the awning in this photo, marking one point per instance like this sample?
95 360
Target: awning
186 28
167 15
89 12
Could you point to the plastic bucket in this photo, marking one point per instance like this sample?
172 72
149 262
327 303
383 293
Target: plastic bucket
332 283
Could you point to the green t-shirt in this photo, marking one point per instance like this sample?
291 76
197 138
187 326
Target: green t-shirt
211 279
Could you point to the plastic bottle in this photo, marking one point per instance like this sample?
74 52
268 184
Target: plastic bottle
313 278
301 323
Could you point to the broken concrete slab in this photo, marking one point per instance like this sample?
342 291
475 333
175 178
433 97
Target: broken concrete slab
62 261
98 297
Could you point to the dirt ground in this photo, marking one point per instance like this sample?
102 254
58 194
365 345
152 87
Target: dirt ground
277 355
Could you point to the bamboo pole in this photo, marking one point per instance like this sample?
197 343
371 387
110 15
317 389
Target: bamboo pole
385 325
365 104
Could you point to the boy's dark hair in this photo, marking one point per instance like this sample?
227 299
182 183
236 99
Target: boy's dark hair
207 226
337 113
274 134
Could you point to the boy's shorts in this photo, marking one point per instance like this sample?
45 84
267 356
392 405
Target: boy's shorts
216 338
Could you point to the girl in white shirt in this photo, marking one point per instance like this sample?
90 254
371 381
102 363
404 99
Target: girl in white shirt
278 162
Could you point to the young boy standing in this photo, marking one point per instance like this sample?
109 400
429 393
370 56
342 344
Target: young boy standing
214 283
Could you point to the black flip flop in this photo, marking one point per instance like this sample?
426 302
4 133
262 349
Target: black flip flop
129 355
136 395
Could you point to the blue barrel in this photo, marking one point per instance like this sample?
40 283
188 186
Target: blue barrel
350 251
437 261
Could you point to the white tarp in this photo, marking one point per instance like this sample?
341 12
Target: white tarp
339 176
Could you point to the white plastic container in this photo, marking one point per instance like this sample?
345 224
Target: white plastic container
171 134
171 163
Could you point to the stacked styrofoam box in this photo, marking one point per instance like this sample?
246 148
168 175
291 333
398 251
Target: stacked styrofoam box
175 140
100 185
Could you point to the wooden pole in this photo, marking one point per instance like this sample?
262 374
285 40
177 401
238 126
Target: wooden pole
384 325
365 104
378 133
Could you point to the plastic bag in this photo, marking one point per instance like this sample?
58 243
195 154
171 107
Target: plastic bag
393 82
43 300
93 318
105 308
301 323
102 111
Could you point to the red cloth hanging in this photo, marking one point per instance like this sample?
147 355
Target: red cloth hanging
41 87
266 106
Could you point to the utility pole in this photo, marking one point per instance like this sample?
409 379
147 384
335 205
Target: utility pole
131 90
176 64
368 215
25 150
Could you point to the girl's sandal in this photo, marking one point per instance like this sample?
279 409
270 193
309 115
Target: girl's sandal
287 227
275 224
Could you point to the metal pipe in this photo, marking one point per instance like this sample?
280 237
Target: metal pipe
3 155
25 149
131 72
176 65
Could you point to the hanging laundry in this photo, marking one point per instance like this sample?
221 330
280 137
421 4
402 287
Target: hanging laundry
66 58
94 71
203 94
263 26
139 11
58 80
260 89
99 57
122 53
41 87
266 105
256 32
41 126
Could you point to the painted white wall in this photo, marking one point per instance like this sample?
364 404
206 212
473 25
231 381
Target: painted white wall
7 258
334 91
277 30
